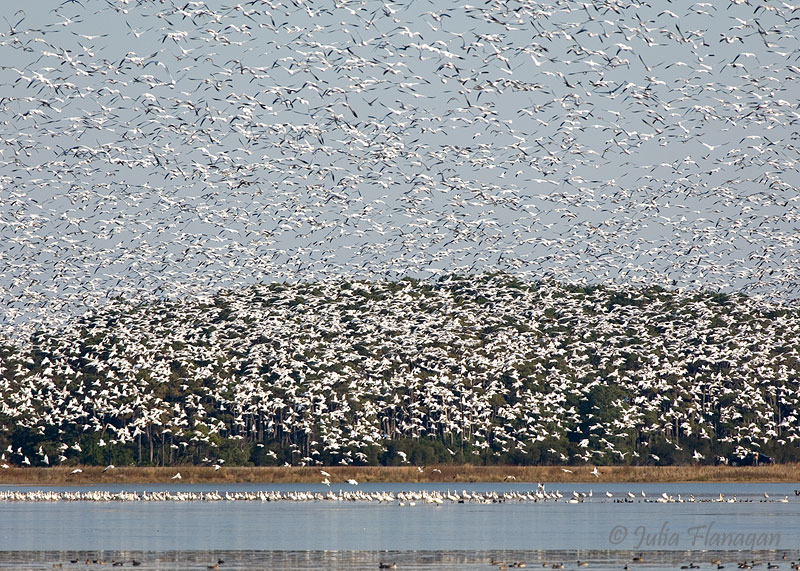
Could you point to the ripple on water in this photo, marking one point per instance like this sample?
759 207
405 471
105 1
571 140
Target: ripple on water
409 560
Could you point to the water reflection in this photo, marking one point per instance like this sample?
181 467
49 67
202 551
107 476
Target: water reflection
344 527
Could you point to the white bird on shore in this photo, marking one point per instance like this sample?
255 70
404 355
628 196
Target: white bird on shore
76 471
109 467
176 476
595 472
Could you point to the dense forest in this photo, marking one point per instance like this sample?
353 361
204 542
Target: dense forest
467 369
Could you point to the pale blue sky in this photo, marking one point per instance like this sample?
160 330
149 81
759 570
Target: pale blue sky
173 148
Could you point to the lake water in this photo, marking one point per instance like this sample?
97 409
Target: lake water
354 535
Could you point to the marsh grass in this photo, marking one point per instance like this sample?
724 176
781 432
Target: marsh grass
59 476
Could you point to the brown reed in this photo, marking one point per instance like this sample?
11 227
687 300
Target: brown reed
443 473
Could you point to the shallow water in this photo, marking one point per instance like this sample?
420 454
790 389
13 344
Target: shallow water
352 535
444 560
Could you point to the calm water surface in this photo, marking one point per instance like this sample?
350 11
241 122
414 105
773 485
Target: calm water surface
345 535
407 560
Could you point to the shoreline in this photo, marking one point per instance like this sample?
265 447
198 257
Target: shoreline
62 476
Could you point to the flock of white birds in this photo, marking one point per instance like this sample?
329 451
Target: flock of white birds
490 367
169 148
163 150
404 498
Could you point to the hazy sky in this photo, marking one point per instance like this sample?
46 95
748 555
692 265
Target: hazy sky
157 148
